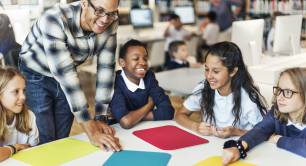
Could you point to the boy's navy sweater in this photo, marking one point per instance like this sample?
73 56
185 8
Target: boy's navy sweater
293 139
125 101
174 65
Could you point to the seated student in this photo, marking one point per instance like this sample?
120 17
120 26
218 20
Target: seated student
284 125
175 31
270 37
18 129
8 46
137 95
229 102
178 52
210 34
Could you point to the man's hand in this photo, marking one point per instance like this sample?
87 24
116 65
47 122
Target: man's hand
105 128
96 135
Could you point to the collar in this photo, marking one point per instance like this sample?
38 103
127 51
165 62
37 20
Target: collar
179 61
297 125
219 97
76 20
130 85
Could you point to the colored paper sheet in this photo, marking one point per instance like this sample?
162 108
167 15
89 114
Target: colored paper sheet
138 158
169 137
55 153
217 161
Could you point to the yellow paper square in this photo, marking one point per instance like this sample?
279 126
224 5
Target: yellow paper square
55 153
217 161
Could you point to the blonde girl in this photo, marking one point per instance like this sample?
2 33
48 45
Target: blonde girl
18 129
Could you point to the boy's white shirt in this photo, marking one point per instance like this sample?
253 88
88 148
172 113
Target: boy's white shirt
211 34
179 61
130 85
13 136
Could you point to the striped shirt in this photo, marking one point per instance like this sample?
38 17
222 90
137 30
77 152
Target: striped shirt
57 44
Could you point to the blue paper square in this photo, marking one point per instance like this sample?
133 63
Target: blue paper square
138 158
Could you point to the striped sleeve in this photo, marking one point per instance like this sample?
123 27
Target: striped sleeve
105 75
61 64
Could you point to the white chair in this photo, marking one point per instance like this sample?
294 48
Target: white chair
157 54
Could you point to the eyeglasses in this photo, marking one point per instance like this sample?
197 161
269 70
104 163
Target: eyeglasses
102 13
287 93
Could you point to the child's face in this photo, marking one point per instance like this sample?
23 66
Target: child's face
135 63
13 96
181 53
291 105
176 23
218 75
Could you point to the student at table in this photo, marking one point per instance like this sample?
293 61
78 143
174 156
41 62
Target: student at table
284 125
175 31
179 56
137 95
228 100
18 129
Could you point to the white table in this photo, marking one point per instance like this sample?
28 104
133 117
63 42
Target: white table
182 80
266 154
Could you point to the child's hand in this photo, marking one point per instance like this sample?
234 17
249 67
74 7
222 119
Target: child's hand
224 132
20 147
205 128
274 138
230 155
196 65
150 102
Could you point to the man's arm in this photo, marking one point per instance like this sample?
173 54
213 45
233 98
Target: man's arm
62 67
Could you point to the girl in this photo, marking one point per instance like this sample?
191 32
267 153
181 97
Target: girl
18 129
229 102
137 95
284 125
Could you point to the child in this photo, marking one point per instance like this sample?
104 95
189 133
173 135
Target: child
8 45
178 52
137 95
174 31
229 102
284 125
270 37
18 129
210 34
210 29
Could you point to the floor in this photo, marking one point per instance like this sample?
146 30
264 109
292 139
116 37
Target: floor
88 85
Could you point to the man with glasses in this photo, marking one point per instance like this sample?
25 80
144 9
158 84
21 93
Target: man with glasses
63 38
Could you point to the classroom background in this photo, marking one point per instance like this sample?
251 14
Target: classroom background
270 33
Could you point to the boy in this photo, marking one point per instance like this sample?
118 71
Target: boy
210 34
178 52
137 95
174 31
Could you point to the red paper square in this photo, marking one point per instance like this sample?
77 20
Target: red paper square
169 137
